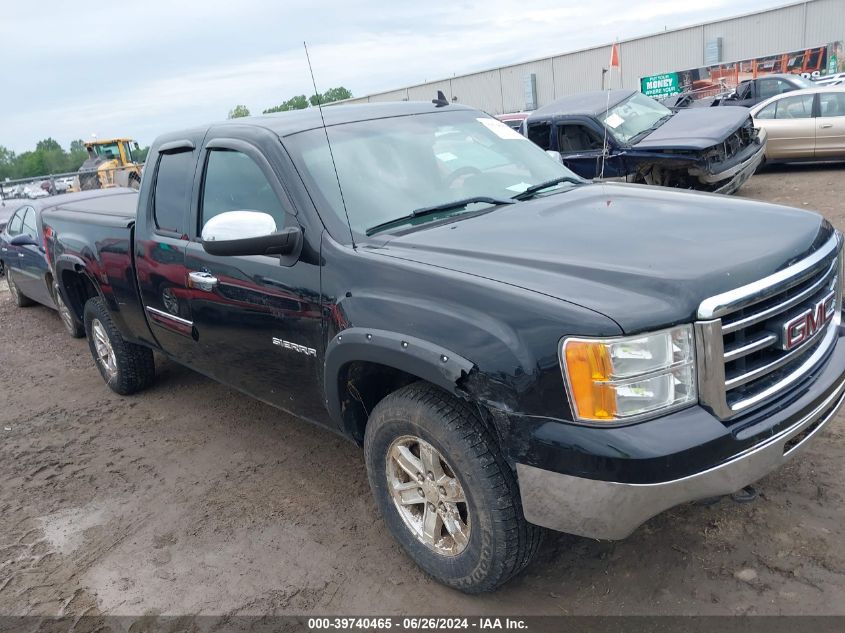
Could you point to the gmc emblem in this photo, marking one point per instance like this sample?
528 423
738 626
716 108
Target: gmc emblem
802 327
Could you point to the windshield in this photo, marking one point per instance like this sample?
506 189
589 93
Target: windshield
633 116
390 167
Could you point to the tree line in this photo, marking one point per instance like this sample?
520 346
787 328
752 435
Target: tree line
298 102
49 157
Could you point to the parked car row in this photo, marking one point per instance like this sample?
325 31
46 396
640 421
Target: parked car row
623 134
23 257
513 346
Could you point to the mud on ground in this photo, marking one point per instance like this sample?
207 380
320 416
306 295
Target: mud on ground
194 499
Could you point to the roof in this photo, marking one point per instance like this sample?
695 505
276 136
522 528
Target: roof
294 121
584 103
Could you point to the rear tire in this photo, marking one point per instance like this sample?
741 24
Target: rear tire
492 541
126 367
69 319
20 299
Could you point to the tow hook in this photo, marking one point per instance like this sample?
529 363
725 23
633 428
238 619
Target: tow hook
746 495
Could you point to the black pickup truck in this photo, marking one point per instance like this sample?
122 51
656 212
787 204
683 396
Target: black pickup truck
514 348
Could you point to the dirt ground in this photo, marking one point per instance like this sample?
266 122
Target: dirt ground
194 499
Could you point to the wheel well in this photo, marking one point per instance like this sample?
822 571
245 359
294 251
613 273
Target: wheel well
78 289
362 385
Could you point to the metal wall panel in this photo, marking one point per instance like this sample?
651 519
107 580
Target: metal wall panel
665 52
513 77
393 95
428 91
481 90
825 22
581 71
764 33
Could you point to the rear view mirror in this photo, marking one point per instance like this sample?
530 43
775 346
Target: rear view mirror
23 240
555 155
248 233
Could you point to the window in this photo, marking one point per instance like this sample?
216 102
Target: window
540 134
768 112
29 226
577 138
16 222
173 191
636 115
797 107
771 87
235 182
832 104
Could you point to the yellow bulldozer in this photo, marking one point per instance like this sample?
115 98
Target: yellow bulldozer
109 164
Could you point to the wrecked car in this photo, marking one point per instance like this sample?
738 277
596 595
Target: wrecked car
708 149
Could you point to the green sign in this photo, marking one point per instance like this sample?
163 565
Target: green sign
660 86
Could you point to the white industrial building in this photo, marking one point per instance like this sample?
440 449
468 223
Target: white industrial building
792 27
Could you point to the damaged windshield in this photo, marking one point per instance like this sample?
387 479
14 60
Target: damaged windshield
634 116
415 169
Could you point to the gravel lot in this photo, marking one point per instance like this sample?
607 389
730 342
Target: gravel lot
192 498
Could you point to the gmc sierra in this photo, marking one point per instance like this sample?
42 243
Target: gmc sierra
515 348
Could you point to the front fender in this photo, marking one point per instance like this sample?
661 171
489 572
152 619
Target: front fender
428 361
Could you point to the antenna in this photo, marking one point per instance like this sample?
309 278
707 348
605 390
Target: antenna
328 142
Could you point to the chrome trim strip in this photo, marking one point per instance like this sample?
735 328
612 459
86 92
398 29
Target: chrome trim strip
752 293
613 510
798 374
160 314
786 305
750 348
741 379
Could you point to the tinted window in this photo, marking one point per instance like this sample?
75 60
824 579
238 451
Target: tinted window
577 138
173 191
832 104
29 223
797 107
16 223
235 182
539 133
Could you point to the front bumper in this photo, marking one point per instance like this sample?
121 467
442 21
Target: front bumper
730 180
597 505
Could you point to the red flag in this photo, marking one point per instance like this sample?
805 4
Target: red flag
614 56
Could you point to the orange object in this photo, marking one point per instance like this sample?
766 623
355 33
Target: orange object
614 56
587 364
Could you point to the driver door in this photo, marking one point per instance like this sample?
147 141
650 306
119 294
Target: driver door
256 319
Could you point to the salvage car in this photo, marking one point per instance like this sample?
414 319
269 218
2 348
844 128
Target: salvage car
22 254
752 91
708 149
804 125
514 348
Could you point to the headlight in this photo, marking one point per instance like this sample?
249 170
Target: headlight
623 379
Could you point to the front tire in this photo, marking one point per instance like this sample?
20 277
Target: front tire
445 491
124 366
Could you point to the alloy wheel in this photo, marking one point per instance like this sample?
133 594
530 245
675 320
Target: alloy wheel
428 495
105 353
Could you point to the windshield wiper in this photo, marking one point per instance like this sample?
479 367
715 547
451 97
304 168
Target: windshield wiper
535 189
437 208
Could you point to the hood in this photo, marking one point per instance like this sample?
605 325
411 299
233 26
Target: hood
644 256
695 128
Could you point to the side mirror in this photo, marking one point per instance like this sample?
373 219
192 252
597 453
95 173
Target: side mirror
248 233
23 240
556 155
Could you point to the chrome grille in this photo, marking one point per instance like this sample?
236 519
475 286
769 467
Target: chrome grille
742 358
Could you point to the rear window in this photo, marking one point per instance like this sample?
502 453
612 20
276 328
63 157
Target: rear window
174 178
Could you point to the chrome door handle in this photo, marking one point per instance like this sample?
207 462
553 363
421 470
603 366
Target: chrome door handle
825 125
201 280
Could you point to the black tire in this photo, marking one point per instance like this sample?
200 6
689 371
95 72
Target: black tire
501 542
134 366
20 299
67 316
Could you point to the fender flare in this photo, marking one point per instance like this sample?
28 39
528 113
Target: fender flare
412 355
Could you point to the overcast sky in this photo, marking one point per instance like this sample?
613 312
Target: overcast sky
138 69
